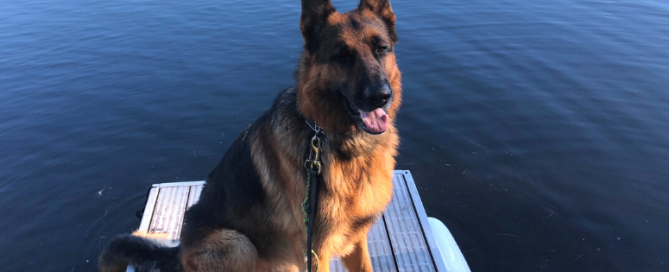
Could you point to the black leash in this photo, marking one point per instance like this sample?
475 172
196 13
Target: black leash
313 195
309 206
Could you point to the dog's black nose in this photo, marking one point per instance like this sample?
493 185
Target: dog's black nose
378 96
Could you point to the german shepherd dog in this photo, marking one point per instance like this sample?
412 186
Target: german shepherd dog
249 216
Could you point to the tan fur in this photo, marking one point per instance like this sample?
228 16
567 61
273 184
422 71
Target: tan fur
160 238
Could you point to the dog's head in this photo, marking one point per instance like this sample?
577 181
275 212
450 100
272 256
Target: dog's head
347 77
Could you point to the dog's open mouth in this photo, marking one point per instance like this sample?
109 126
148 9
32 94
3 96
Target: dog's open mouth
376 121
373 122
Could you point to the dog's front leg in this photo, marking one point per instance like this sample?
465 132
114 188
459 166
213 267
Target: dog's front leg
358 259
324 257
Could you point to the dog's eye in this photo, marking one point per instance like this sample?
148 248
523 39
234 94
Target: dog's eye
381 49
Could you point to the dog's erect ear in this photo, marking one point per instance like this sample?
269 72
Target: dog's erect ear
384 11
314 15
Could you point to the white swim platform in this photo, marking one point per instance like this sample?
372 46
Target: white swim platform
404 239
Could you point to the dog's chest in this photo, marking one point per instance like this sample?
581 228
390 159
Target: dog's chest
351 202
362 194
347 210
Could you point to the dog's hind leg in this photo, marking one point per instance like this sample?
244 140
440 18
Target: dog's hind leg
223 250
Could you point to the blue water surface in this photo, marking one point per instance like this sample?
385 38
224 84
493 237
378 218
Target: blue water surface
537 131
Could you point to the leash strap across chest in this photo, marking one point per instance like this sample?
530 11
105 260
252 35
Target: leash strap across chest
309 206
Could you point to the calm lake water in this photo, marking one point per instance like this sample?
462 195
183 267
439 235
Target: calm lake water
537 131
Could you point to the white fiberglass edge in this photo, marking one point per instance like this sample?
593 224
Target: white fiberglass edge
450 252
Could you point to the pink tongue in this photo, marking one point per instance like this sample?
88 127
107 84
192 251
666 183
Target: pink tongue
376 121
